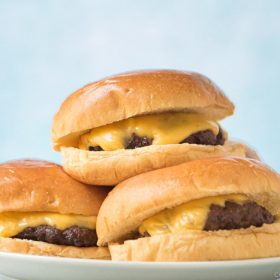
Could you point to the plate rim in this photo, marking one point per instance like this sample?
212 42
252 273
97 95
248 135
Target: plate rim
139 264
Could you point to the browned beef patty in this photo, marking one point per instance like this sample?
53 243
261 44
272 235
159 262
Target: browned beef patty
236 216
137 142
95 148
206 137
72 236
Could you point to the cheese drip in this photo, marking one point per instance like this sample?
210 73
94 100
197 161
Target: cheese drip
189 216
12 223
165 128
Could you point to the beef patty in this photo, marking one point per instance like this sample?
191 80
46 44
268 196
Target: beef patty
205 137
137 142
72 236
236 216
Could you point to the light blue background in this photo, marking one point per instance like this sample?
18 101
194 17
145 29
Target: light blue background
51 48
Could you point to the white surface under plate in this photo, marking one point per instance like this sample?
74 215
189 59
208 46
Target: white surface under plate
27 267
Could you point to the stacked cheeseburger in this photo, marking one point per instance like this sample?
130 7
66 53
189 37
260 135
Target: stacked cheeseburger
181 190
43 211
125 125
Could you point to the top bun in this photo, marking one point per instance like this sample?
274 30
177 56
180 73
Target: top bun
131 94
34 185
143 196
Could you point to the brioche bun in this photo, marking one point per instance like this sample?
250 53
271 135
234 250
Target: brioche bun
14 245
138 198
133 94
113 167
250 243
35 185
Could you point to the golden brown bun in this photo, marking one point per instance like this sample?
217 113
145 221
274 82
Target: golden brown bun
142 196
249 151
33 185
45 249
248 243
113 167
130 94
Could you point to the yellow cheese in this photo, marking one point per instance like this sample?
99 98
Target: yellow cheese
165 128
189 216
12 223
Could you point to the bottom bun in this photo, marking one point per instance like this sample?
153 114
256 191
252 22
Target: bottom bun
248 243
92 167
45 249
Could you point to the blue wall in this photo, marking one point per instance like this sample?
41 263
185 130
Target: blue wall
48 49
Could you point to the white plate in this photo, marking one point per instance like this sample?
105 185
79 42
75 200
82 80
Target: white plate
27 267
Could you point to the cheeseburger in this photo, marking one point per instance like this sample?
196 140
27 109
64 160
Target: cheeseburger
208 209
43 211
131 123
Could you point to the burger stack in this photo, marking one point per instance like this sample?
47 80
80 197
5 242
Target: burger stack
149 174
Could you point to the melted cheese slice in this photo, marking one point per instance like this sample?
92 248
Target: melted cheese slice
189 216
165 128
12 223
